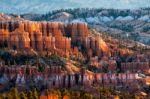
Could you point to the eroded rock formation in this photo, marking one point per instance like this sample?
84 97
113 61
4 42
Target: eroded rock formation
54 77
4 35
52 36
136 66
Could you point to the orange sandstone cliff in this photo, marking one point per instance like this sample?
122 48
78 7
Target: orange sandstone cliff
52 36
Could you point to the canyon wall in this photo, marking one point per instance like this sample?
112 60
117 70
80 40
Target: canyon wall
135 66
51 36
55 77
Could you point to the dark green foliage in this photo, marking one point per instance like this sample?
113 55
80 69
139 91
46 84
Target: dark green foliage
3 44
41 68
127 28
146 29
23 95
22 59
87 96
35 94
90 12
65 92
14 47
55 60
6 56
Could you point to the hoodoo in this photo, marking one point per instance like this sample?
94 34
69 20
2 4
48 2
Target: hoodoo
51 35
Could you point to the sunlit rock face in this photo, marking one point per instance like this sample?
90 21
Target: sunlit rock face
81 37
37 41
57 29
52 36
63 43
49 42
96 45
101 44
19 39
31 27
78 32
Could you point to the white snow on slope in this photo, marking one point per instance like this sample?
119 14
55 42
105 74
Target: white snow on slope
127 18
145 18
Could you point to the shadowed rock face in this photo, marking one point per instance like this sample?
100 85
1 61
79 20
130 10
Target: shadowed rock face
4 34
54 77
96 44
136 66
50 35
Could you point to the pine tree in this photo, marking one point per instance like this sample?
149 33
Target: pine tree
23 96
65 93
31 95
47 92
35 94
9 96
87 96
58 93
75 95
15 94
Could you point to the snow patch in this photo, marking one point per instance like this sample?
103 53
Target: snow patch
106 19
79 20
144 18
92 20
127 18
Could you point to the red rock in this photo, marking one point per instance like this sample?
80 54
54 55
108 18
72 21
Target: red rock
79 32
52 35
63 43
135 66
112 65
4 35
20 39
56 29
49 42
37 41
